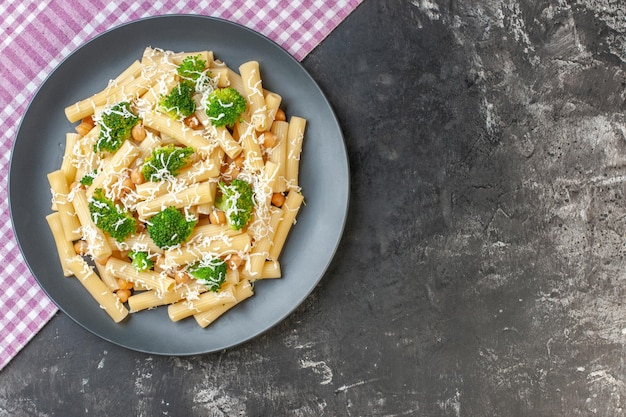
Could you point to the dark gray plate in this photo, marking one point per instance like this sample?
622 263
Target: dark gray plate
38 149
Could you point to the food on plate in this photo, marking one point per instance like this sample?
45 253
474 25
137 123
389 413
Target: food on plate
178 187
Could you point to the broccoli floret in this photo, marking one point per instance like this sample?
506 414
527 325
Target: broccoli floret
191 68
165 161
110 217
210 272
169 228
141 260
237 201
87 179
179 102
224 106
115 124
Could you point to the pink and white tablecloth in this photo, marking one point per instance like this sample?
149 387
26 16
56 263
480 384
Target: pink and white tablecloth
36 35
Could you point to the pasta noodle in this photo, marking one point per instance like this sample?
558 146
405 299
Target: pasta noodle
177 130
150 279
67 215
205 301
253 86
290 210
106 203
87 106
98 289
242 291
96 240
68 165
272 103
64 246
278 154
122 159
295 137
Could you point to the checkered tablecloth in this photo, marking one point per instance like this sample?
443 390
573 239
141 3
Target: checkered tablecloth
36 35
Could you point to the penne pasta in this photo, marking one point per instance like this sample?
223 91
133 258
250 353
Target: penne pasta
97 242
149 279
193 252
205 301
118 162
290 209
295 137
151 298
178 131
88 106
253 87
278 154
250 144
261 250
241 292
68 166
199 193
67 214
272 103
231 147
99 291
64 247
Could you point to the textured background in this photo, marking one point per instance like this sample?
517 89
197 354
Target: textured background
481 272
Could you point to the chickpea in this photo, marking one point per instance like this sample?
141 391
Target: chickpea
234 261
280 115
192 122
123 295
83 128
269 140
124 285
136 176
278 199
138 132
217 217
81 247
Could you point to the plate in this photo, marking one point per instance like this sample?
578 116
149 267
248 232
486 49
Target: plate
324 178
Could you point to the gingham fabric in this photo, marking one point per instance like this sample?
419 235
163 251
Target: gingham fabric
36 35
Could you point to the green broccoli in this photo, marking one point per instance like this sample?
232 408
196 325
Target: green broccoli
115 124
170 228
210 272
87 179
224 106
110 217
141 260
179 102
237 201
192 68
165 161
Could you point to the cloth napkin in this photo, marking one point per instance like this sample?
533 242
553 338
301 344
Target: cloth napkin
36 35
